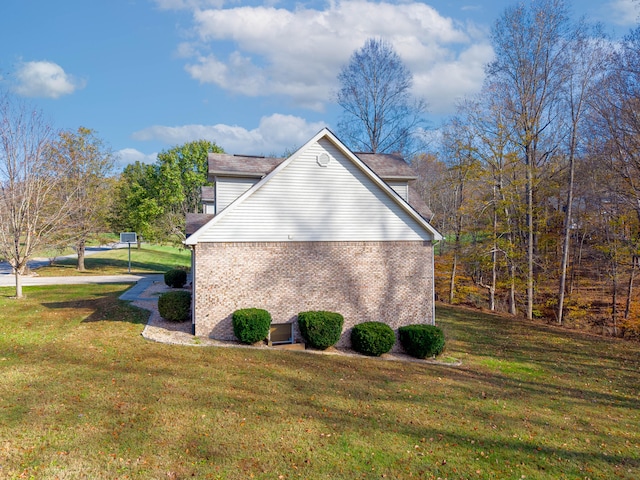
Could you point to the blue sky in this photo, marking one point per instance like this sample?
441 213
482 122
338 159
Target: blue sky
255 77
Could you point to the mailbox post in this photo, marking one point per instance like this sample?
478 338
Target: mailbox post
129 238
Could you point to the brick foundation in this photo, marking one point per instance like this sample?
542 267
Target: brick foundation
391 282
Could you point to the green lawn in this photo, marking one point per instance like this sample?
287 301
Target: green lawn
147 259
83 395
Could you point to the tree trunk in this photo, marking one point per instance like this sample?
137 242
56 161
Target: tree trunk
614 302
566 242
18 276
452 282
80 249
627 307
530 229
512 290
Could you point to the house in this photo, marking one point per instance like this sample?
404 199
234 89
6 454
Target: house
325 229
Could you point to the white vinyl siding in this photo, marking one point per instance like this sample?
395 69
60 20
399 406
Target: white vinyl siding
401 188
307 202
228 189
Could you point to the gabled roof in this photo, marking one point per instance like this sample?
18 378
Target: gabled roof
208 194
388 166
329 136
225 165
195 221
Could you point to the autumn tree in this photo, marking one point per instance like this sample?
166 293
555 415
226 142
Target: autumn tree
380 115
530 67
88 185
617 129
585 55
495 152
458 153
31 209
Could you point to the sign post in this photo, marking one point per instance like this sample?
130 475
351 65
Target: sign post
129 238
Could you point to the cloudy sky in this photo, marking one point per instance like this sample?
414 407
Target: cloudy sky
255 77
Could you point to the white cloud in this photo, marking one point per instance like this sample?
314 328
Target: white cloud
275 134
131 155
298 53
44 79
623 12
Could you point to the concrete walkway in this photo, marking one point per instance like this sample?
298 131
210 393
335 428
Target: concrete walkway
28 281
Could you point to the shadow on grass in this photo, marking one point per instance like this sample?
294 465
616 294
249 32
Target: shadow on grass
100 265
103 308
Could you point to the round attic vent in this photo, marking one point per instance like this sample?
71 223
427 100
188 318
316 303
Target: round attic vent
323 159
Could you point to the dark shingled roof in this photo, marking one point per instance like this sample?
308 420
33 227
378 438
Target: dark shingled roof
208 194
196 220
388 166
419 205
222 164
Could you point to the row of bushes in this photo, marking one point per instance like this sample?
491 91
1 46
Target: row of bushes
322 329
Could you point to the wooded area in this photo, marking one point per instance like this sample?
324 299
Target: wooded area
536 181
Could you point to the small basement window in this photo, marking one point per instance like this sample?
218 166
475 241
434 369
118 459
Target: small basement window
280 333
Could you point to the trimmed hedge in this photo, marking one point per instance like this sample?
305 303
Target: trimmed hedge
372 338
175 278
421 341
320 329
175 306
251 325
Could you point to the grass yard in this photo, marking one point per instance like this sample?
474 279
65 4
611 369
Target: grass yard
147 259
83 395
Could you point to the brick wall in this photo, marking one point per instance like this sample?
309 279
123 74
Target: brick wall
389 282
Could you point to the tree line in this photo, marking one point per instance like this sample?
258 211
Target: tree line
536 180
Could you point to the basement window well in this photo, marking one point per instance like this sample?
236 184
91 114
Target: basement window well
280 333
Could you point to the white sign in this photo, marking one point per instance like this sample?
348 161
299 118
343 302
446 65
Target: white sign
128 237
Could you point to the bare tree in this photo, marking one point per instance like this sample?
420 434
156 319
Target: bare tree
528 40
380 113
30 209
494 149
617 128
585 60
458 151
88 185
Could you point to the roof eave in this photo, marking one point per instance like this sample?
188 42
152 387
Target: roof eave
231 173
398 177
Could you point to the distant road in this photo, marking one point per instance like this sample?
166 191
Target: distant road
34 263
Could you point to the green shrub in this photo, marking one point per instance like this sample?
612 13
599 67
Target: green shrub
320 329
175 306
372 338
421 341
175 278
250 325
